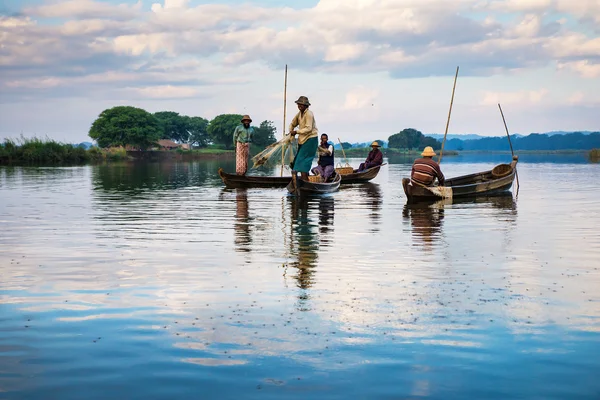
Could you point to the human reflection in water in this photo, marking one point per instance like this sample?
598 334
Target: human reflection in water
372 197
426 220
243 236
307 236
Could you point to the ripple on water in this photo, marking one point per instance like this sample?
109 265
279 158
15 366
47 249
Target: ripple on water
151 281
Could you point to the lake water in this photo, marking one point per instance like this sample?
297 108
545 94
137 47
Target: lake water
151 281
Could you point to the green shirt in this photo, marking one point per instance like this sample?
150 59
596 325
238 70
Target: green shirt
242 135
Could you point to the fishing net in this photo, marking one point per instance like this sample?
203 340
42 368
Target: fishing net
272 154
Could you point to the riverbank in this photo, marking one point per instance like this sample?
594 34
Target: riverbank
49 152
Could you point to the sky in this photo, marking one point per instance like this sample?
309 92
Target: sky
369 67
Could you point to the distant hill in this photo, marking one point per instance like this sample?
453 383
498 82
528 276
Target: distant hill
440 136
534 141
85 145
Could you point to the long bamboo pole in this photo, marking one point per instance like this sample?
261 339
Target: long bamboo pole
509 142
449 113
284 119
343 152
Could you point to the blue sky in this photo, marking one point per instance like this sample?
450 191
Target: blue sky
370 67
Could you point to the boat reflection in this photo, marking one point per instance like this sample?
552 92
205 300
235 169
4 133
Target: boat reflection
311 230
373 199
426 222
243 236
427 218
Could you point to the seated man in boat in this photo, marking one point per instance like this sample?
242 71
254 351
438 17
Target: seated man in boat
242 136
307 138
425 171
374 158
325 164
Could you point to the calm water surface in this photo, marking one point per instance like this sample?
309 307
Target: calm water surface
151 281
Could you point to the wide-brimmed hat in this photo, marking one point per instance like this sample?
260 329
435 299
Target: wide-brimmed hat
428 152
303 100
246 118
375 144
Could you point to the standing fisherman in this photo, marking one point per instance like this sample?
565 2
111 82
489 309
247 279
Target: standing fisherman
242 137
307 138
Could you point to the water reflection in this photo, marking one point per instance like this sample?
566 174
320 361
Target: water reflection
372 194
427 218
307 236
243 236
426 222
134 178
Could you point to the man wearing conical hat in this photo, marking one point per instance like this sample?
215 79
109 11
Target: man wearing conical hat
306 129
425 171
242 137
374 158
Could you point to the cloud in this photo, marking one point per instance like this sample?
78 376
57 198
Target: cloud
85 9
167 92
583 68
522 97
180 50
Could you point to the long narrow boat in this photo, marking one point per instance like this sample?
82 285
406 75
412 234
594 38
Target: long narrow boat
497 180
361 177
303 187
235 181
250 181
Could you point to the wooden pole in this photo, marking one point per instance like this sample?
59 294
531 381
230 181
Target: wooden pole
343 152
449 113
509 142
284 119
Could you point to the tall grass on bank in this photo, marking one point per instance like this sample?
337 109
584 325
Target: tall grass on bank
50 152
595 154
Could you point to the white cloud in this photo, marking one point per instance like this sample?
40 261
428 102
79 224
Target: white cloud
166 92
360 98
178 47
85 9
576 98
584 68
523 97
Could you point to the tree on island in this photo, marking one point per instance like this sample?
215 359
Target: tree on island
125 125
264 134
174 126
221 127
198 130
412 139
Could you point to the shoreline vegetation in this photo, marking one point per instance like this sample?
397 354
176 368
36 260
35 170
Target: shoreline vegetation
44 152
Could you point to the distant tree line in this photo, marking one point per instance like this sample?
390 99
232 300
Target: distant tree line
534 141
125 125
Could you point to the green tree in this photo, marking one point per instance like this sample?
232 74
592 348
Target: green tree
220 129
412 139
197 127
264 135
346 145
125 125
174 126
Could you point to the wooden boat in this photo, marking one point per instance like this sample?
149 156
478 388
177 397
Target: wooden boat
497 180
236 181
361 177
250 181
303 187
